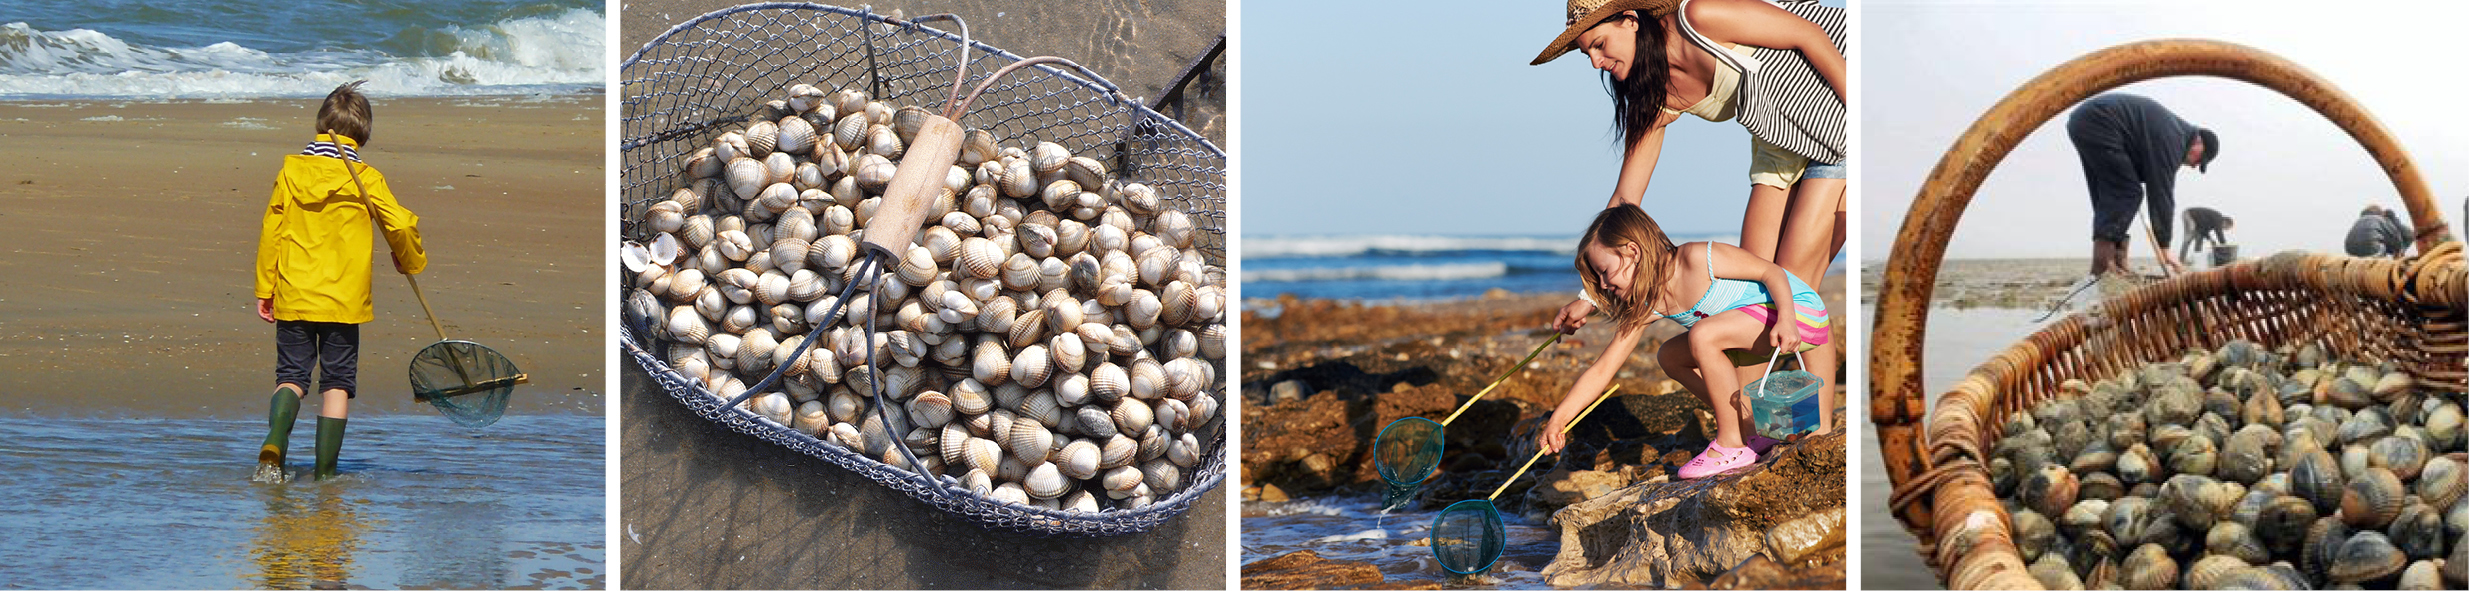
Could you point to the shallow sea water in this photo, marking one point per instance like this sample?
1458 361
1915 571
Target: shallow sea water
1957 341
421 502
1354 528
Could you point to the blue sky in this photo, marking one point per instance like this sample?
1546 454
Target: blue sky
1424 118
2291 179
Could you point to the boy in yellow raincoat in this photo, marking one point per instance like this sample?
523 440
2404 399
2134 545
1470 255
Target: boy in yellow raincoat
313 274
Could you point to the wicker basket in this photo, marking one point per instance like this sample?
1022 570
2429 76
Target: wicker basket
685 86
2408 311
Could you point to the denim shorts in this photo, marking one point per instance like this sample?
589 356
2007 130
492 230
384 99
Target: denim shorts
1819 170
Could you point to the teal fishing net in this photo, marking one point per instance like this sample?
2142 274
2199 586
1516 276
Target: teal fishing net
1406 453
1468 536
468 383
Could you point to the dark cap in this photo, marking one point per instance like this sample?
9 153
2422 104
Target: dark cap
2211 149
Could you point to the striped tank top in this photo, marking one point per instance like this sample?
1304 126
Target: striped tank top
1782 99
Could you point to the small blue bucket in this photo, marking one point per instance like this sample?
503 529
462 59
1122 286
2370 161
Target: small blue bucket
1784 403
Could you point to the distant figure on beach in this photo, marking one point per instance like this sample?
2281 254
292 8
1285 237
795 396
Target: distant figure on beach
2131 148
2377 233
1776 68
2204 226
313 274
1724 296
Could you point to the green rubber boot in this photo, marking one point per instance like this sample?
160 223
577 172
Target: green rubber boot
282 410
329 445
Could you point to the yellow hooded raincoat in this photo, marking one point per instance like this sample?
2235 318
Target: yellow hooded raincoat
313 255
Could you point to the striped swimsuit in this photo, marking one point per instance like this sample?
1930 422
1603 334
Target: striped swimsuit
1750 297
1782 99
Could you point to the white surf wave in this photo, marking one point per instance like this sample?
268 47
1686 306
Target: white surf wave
543 54
1382 273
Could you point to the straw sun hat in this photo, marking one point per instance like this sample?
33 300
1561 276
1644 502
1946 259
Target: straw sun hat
1585 14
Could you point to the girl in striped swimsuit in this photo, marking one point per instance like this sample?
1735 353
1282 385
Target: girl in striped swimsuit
1721 294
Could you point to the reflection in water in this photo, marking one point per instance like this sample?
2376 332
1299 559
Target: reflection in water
307 536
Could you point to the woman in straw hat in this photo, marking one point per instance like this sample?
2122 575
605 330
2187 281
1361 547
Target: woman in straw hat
1776 68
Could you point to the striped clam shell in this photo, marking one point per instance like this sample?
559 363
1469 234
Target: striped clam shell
789 254
1133 416
1046 482
795 135
849 132
1030 441
981 258
1078 460
917 267
1049 157
761 138
1119 451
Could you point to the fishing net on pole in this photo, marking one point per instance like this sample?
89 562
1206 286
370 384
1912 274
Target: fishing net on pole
1406 452
465 381
1468 536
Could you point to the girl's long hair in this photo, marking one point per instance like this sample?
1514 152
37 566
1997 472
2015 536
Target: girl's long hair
1617 227
1638 101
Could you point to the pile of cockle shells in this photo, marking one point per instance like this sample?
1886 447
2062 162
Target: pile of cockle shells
1051 338
2241 468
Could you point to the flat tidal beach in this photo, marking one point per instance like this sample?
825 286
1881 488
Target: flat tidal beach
131 235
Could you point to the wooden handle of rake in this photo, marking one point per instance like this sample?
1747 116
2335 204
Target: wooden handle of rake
1530 462
1504 378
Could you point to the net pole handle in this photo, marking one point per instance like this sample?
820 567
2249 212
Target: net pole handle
913 189
415 283
424 306
1504 378
1530 462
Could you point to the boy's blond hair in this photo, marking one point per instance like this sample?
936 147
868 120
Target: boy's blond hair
1614 228
346 113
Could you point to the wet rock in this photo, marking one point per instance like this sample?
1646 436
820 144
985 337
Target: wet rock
1305 569
1266 493
1690 532
1797 540
1564 487
1292 444
1288 391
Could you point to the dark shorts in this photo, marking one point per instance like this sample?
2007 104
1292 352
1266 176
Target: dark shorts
2109 171
333 347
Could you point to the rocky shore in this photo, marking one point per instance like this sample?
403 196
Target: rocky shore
1321 378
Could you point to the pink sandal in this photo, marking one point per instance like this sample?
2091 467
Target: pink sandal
1717 459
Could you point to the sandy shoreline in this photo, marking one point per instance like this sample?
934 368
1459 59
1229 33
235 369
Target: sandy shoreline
133 228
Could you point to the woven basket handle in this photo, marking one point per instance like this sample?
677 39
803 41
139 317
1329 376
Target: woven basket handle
1896 403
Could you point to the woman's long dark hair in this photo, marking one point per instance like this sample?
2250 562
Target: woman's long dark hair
1638 101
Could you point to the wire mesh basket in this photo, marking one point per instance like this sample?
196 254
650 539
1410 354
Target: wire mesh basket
688 84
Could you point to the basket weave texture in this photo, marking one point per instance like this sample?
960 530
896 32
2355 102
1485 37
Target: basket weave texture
2407 311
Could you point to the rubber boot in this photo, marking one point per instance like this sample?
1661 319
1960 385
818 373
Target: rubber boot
282 410
329 444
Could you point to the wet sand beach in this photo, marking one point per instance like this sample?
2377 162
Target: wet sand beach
133 230
705 507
